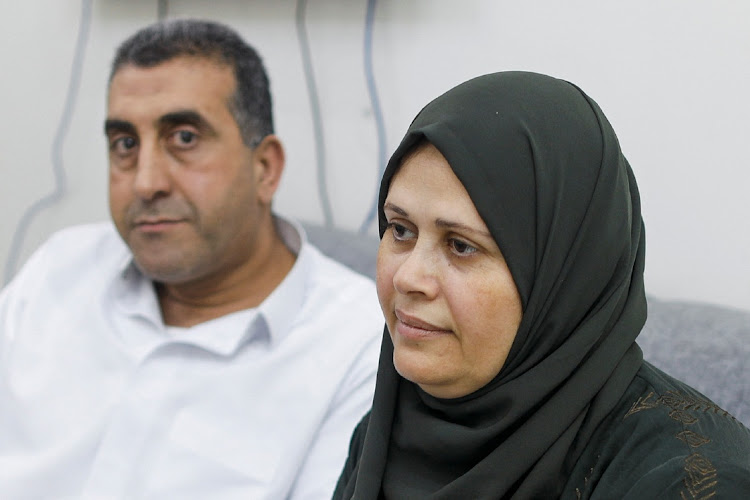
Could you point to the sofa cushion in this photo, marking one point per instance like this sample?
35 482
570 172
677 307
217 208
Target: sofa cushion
707 346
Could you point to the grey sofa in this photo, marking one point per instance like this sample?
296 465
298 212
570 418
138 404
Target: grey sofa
706 346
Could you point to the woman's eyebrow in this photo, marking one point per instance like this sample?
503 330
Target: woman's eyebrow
447 224
441 223
393 208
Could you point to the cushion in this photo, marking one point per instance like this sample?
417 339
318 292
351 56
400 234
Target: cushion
706 346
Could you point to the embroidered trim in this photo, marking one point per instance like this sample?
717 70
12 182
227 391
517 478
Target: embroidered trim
701 475
579 495
642 404
693 439
700 480
678 401
683 416
680 405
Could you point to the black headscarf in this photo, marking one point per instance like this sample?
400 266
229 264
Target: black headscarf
544 169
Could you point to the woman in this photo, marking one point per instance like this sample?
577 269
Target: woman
510 273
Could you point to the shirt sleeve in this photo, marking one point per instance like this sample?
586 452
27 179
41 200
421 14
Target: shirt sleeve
320 472
13 298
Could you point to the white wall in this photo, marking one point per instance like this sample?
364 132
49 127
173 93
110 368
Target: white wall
672 76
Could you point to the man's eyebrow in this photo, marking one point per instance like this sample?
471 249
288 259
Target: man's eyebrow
114 125
186 117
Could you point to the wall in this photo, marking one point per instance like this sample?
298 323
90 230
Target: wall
672 76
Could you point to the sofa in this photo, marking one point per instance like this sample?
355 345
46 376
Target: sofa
704 345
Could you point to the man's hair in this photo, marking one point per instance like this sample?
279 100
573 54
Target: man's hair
160 42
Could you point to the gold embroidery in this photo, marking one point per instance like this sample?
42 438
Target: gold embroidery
678 401
693 439
683 416
684 496
586 479
701 477
642 404
579 495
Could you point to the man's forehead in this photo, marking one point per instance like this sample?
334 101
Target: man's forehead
186 60
184 72
185 83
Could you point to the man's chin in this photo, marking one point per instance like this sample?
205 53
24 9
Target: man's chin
170 271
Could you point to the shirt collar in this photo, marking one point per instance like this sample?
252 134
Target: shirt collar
134 293
280 308
275 315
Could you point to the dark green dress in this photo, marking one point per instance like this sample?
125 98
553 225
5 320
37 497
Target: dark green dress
664 440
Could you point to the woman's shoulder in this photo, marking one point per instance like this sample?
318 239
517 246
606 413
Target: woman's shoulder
345 484
652 389
664 439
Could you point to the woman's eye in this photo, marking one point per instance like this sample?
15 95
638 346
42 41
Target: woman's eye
400 232
461 247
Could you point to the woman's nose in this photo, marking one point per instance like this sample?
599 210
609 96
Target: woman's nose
418 272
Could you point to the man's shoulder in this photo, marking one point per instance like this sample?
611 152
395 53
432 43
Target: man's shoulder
86 239
335 285
335 272
337 295
78 248
91 232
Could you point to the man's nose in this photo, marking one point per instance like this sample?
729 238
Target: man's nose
152 178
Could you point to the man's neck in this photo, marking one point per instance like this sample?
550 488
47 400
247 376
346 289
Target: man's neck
188 304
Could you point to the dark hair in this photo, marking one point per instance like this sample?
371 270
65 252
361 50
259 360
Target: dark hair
251 103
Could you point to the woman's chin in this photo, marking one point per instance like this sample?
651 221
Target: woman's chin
429 374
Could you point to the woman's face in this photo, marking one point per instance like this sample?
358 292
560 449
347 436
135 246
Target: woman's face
449 300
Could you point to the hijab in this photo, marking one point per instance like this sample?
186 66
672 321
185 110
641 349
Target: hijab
544 169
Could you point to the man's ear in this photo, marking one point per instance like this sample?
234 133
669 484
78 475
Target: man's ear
268 162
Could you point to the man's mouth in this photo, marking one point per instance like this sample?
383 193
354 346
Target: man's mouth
155 224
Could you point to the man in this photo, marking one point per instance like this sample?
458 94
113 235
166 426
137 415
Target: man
208 351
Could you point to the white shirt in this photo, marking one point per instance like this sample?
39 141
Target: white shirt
99 400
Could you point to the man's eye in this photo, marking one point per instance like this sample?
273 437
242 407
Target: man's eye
461 247
123 144
185 137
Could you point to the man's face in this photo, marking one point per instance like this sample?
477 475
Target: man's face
182 185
